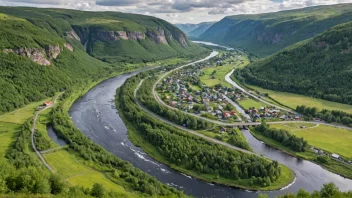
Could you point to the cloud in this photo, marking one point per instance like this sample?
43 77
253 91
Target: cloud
178 11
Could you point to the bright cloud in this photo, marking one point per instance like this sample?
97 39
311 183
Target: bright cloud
178 11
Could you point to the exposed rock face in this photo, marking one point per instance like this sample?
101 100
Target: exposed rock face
69 47
157 36
53 51
72 35
269 37
117 35
38 55
182 40
135 35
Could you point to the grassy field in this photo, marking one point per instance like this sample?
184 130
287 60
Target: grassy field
19 116
250 102
333 166
10 124
221 72
77 174
8 134
293 100
331 139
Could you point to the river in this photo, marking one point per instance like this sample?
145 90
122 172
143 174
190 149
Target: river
96 116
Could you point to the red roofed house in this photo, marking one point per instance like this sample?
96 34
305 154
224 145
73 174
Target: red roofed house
233 112
48 103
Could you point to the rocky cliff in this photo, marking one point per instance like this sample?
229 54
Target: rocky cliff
39 55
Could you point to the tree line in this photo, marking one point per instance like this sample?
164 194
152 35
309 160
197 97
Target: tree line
326 115
283 137
319 67
190 152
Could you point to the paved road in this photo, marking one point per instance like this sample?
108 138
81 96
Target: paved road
185 129
33 131
229 80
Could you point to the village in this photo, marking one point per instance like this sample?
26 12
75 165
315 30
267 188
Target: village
184 90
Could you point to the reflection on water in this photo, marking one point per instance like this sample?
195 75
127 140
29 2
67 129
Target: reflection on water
52 134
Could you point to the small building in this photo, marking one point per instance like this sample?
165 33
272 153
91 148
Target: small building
48 103
336 156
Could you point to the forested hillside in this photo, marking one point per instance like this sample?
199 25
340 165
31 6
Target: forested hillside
320 67
265 34
42 50
113 36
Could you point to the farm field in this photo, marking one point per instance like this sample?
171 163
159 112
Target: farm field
293 100
8 133
10 125
220 74
250 102
331 139
78 174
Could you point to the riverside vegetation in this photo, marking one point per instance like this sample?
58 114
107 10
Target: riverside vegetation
195 156
287 141
41 54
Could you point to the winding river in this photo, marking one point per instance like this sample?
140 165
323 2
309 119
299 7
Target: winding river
96 116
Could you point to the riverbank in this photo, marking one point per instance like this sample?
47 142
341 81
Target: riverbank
138 138
333 166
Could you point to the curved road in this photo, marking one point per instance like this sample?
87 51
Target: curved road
229 80
185 129
33 131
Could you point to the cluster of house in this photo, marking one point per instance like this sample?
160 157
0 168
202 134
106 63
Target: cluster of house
181 95
333 156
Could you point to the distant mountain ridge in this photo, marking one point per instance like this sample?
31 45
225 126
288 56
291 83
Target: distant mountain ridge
266 34
112 36
320 67
43 51
195 30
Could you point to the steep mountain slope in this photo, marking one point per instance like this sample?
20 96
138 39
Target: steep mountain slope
202 27
320 67
265 34
194 30
41 50
113 36
187 28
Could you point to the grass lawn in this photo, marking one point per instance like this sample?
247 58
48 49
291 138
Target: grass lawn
10 124
78 174
8 134
250 102
88 179
331 139
21 115
293 100
65 164
221 72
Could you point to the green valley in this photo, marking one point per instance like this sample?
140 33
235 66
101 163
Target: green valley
268 33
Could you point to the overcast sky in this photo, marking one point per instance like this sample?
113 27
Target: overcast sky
178 11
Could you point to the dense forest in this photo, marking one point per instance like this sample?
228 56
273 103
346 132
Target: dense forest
190 152
40 55
320 67
326 115
283 137
268 33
